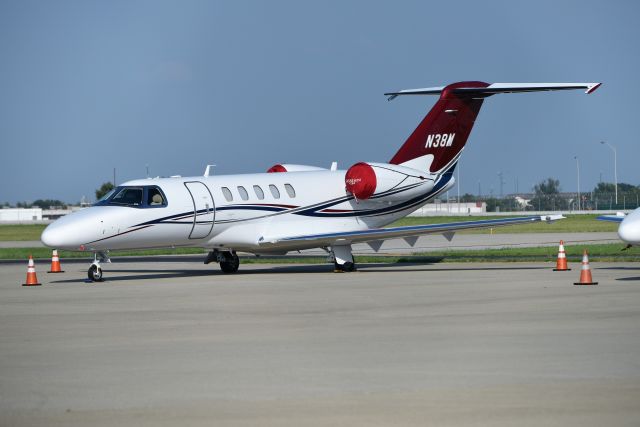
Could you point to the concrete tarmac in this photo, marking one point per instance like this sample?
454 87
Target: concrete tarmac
297 345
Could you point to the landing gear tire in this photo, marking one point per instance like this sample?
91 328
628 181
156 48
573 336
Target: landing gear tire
347 267
95 273
230 264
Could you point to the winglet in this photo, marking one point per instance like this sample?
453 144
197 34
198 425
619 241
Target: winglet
593 88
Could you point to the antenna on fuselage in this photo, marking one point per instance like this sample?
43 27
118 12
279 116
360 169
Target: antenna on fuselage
208 169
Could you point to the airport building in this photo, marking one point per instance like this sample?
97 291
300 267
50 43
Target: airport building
30 215
20 214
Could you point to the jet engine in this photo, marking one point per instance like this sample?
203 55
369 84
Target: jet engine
293 168
386 182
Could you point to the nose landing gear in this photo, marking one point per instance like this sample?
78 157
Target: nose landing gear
95 273
95 270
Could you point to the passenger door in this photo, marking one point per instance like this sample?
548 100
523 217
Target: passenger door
203 209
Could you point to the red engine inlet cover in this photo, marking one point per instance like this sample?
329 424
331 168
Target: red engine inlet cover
361 181
277 168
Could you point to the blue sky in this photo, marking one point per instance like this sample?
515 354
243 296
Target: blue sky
87 86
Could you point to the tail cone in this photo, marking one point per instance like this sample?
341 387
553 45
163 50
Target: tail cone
32 279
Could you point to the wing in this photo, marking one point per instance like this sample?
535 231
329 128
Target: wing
378 234
618 217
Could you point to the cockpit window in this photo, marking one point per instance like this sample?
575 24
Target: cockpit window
107 195
154 197
128 196
135 197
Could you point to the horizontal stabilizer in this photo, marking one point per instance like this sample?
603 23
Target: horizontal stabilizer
495 88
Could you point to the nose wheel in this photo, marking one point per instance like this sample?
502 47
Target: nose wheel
95 273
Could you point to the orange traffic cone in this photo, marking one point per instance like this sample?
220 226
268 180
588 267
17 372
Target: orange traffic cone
585 273
32 279
55 263
561 264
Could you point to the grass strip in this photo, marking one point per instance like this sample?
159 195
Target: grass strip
44 253
21 232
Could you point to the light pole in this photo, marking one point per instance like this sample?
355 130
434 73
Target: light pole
578 168
615 166
501 177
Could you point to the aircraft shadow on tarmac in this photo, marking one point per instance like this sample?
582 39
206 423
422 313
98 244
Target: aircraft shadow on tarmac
468 268
112 275
625 268
139 275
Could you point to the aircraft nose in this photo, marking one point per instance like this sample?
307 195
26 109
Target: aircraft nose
76 229
53 236
629 231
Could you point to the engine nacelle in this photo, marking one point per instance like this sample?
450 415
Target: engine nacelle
386 182
286 167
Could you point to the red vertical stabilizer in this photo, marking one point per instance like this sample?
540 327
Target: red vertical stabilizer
442 134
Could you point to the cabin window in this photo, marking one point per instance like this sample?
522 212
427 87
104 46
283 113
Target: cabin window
243 193
227 194
290 191
259 192
274 191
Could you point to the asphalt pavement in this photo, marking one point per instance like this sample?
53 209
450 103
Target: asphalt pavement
293 345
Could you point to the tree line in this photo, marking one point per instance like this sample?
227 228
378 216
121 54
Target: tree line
40 203
548 196
54 203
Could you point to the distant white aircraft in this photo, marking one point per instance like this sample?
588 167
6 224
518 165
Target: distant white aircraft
302 206
629 228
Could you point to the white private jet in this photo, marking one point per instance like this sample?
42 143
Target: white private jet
294 207
629 228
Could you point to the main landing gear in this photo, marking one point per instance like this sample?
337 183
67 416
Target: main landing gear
229 261
342 259
95 270
340 255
